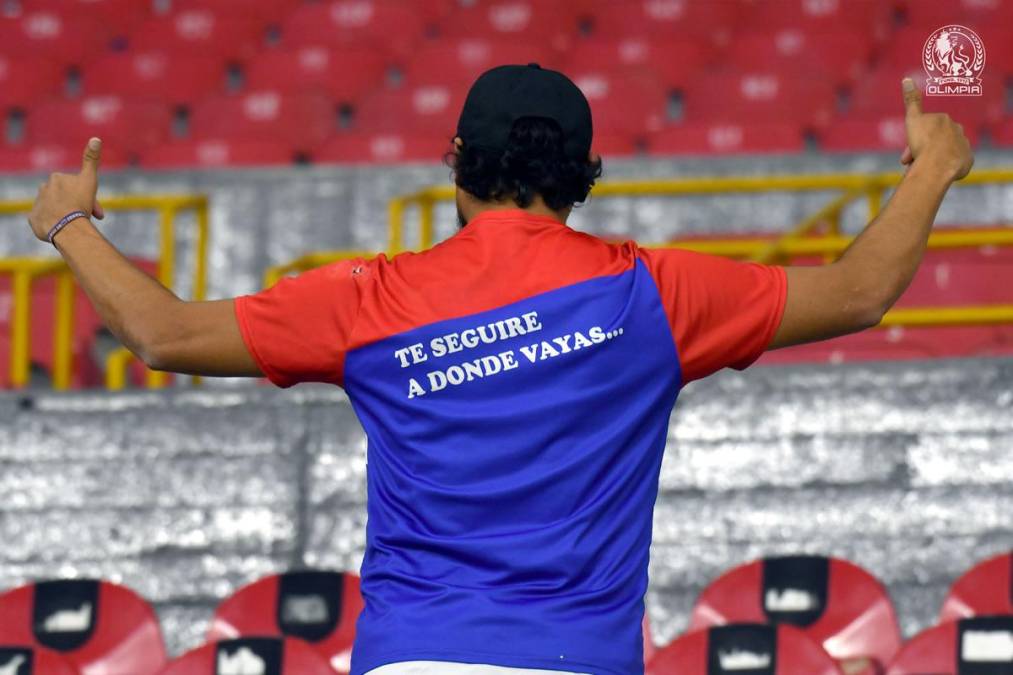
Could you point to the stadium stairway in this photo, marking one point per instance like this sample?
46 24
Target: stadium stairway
186 495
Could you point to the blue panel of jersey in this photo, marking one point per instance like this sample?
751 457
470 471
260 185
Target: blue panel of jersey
510 515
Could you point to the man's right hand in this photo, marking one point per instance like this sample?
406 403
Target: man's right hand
934 138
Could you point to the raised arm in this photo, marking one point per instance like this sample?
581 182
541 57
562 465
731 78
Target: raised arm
856 291
200 338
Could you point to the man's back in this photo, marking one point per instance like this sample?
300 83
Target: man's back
515 383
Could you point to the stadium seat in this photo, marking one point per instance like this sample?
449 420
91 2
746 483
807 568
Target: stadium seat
840 56
345 75
461 61
316 606
27 660
201 32
726 138
256 655
159 76
96 625
51 35
127 125
871 17
370 23
414 109
263 12
115 18
621 102
382 148
299 120
975 14
546 22
49 157
903 56
217 153
852 134
835 602
25 81
976 646
987 588
663 19
1002 133
673 64
760 96
736 649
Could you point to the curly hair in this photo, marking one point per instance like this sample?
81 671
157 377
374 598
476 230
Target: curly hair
533 163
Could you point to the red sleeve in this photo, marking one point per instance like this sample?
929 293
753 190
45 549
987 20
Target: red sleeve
722 312
299 329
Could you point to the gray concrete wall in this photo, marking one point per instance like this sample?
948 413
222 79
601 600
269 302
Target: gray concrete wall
185 495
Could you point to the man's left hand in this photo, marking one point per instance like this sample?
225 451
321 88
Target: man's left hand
65 193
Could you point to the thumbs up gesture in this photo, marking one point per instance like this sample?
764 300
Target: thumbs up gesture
63 193
933 138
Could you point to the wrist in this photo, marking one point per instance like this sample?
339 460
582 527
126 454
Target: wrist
944 168
73 230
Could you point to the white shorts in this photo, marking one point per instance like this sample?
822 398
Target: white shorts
447 668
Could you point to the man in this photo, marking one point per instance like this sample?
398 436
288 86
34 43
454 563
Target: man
516 380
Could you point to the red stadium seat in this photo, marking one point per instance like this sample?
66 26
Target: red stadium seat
672 63
25 81
414 109
343 74
159 76
382 148
217 153
461 61
726 138
755 649
300 120
977 646
318 607
904 57
371 23
263 12
26 660
49 157
852 134
663 19
1002 133
871 17
545 22
51 35
971 13
835 602
263 656
987 588
115 18
129 126
96 625
200 32
840 56
649 649
760 96
622 102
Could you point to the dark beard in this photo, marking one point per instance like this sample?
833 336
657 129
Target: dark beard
461 222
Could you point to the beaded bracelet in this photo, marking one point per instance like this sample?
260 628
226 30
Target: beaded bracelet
63 222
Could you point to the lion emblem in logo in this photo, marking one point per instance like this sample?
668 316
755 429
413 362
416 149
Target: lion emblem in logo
954 58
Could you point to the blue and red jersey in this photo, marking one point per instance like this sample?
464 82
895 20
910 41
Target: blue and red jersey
515 384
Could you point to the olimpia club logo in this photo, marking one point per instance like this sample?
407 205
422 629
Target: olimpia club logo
954 58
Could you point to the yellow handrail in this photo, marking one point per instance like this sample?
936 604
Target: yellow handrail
873 186
24 271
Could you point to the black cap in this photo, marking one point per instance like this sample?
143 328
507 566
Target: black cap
503 95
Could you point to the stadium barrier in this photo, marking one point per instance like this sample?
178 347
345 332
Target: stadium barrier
799 242
24 271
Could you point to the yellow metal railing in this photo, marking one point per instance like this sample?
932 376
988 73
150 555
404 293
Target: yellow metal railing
800 241
24 271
